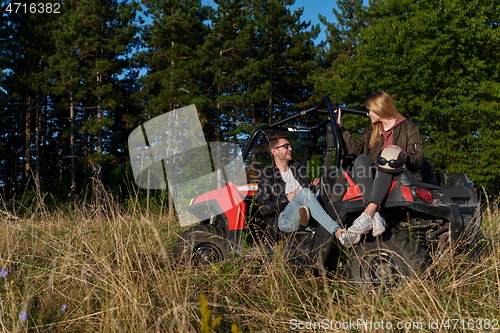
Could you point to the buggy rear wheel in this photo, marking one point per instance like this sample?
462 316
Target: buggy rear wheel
387 262
201 245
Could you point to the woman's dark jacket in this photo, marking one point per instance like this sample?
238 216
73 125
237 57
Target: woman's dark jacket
406 136
271 197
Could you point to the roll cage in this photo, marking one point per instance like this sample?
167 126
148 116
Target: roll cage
333 139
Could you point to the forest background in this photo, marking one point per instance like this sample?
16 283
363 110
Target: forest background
74 84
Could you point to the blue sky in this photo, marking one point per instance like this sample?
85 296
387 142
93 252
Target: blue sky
312 8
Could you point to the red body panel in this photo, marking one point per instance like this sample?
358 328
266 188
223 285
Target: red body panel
353 191
231 202
406 193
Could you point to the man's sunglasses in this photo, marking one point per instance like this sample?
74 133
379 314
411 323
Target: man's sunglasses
286 145
392 163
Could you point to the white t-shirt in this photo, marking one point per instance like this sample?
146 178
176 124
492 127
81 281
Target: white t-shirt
291 183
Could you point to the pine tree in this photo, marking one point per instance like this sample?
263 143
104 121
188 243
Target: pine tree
227 49
342 51
262 55
286 54
92 41
172 59
25 45
175 71
343 36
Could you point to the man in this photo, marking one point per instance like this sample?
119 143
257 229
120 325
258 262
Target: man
285 191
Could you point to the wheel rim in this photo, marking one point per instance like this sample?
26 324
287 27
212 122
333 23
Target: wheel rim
207 253
381 268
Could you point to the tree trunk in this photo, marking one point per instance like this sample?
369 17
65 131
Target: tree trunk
38 129
170 188
98 175
27 143
72 146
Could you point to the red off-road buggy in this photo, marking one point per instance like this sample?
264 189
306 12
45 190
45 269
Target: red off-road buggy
424 216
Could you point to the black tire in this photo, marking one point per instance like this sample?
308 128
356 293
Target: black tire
297 248
481 247
384 263
201 245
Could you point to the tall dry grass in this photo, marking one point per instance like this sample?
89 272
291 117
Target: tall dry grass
79 269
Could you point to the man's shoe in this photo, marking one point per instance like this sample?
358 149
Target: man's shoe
304 216
362 224
348 238
378 224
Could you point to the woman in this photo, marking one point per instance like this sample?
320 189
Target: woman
388 129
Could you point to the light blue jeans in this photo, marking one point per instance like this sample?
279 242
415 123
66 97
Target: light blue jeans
288 220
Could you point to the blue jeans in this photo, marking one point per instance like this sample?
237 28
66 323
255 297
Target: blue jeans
288 220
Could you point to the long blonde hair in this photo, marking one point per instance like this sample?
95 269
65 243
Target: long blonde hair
382 104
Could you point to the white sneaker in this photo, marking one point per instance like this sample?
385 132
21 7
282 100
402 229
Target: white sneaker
362 224
378 224
348 238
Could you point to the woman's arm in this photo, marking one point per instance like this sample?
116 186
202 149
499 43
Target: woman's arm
415 156
356 146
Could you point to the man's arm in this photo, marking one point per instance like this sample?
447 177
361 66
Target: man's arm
300 173
266 197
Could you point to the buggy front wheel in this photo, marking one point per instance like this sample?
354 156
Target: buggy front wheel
201 245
